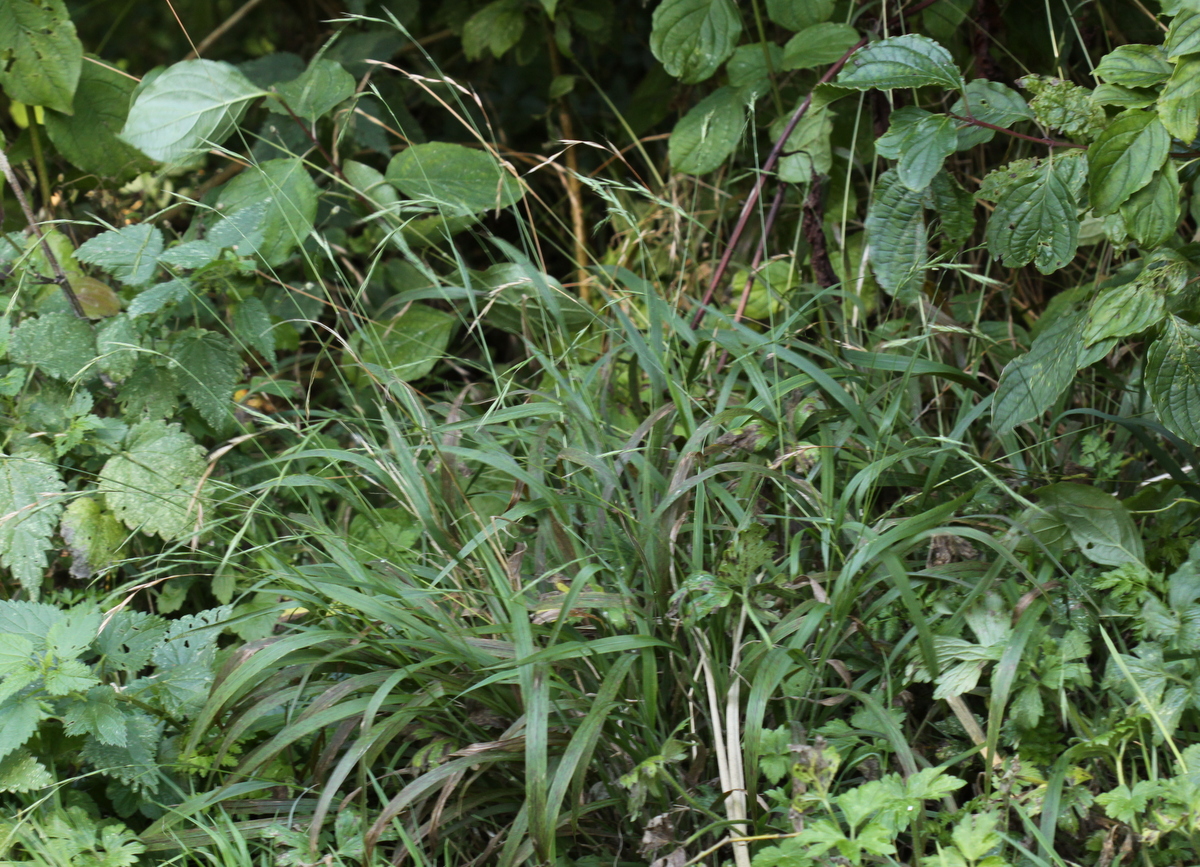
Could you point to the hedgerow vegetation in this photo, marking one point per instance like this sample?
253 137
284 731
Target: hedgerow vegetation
600 433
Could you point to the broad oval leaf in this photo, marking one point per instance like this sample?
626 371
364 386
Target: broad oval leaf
819 45
190 106
1184 35
808 148
460 180
1152 213
1121 311
89 139
42 55
897 234
1124 159
1097 521
925 149
692 38
1173 378
901 61
707 134
1134 66
318 89
406 348
287 196
751 65
1179 101
497 27
798 14
1031 383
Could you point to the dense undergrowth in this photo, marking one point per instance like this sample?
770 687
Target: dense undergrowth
380 484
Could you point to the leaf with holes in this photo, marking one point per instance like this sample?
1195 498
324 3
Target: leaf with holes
1097 521
153 485
1036 220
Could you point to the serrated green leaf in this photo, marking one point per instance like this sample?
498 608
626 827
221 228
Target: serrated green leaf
808 149
1183 37
1097 521
134 763
990 102
191 254
30 504
1031 383
88 138
209 369
819 45
190 106
897 234
117 347
1037 220
1064 106
975 835
151 391
66 676
41 52
1125 97
15 653
497 27
160 295
1173 378
153 485
252 326
317 90
1134 66
21 772
458 179
130 253
242 231
798 14
128 640
707 134
901 61
290 196
93 536
1152 213
692 38
98 717
19 718
406 348
955 207
1179 101
60 344
901 124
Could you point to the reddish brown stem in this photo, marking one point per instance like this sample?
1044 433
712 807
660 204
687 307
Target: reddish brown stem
1049 142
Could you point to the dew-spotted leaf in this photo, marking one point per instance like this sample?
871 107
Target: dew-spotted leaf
190 106
153 484
692 38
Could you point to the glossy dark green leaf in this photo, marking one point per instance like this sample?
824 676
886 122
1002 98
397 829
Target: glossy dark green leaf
990 102
798 14
692 38
1173 378
706 136
1031 383
1179 101
819 45
897 234
901 61
1036 221
1124 159
42 55
1152 213
1134 66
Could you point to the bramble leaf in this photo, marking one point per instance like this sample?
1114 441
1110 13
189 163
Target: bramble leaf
692 38
153 484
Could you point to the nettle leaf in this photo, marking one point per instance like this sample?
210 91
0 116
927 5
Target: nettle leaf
290 196
897 234
153 485
1063 106
406 348
1124 159
1179 101
19 718
990 102
809 149
1183 37
496 27
955 206
98 717
797 15
190 106
901 61
42 54
60 344
130 253
692 38
93 536
819 45
321 87
252 326
118 344
707 134
128 640
1134 66
88 139
1152 213
460 180
1097 521
133 763
1037 220
1173 378
159 296
21 772
209 369
1031 383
